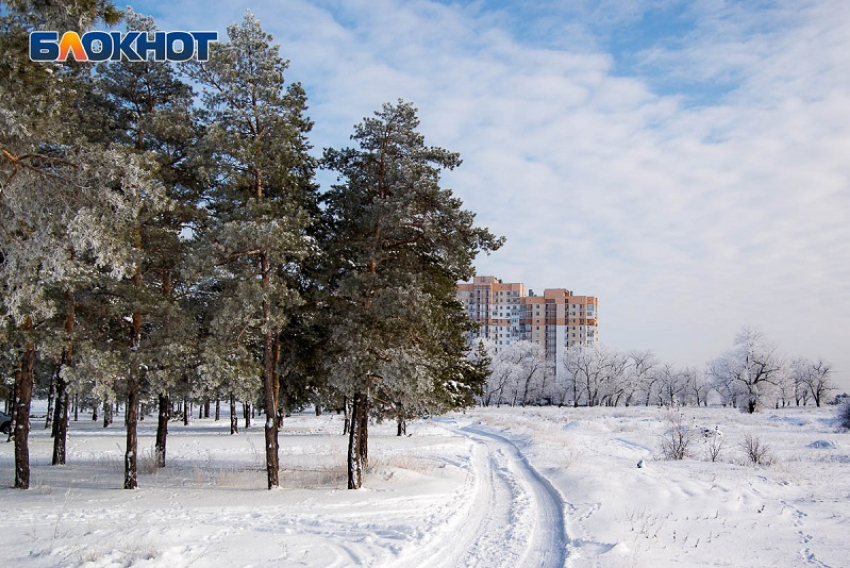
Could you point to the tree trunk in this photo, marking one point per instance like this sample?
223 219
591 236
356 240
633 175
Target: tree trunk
11 406
107 413
270 403
164 414
364 430
217 408
356 438
10 403
51 395
60 422
76 407
346 408
132 420
402 423
234 420
246 413
23 399
186 412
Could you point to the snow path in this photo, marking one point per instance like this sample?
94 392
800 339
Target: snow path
533 496
513 515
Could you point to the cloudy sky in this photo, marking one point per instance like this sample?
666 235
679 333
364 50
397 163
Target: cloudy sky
687 162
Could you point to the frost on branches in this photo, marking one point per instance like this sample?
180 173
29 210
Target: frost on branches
397 243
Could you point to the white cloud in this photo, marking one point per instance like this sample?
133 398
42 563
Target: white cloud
687 220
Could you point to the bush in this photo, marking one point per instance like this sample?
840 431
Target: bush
844 416
677 438
714 446
757 452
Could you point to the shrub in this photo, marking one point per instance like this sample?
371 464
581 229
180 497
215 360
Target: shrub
677 438
757 452
844 416
714 446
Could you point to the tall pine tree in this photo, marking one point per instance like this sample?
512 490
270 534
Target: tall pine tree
398 242
65 202
260 206
153 111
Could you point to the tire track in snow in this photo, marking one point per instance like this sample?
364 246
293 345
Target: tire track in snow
514 516
546 544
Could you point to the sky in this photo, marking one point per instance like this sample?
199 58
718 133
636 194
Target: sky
688 163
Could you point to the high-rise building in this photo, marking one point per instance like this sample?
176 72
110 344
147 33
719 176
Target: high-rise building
506 314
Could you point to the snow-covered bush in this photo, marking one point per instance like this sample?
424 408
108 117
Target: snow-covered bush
714 446
757 452
844 416
676 438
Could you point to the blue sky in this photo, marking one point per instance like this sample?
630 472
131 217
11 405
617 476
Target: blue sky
686 162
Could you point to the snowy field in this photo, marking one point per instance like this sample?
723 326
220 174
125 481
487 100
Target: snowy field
492 487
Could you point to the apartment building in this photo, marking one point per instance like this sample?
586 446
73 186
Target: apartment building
556 320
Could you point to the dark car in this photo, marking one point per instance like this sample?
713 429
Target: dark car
5 423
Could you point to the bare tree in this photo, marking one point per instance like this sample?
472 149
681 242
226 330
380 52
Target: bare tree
672 385
813 376
751 369
697 385
786 387
534 368
616 380
503 381
640 374
591 370
721 380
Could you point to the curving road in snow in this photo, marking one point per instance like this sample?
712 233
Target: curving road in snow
512 516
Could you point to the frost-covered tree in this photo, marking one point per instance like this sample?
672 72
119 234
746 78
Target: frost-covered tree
506 370
397 243
480 358
786 386
260 205
697 384
614 377
152 114
65 201
750 370
456 381
813 376
586 369
672 385
536 371
641 376
304 377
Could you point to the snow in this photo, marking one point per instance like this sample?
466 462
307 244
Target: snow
491 487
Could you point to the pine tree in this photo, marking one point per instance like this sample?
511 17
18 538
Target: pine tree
397 243
260 206
65 202
475 373
154 117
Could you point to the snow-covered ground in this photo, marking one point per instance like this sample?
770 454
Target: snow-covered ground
492 487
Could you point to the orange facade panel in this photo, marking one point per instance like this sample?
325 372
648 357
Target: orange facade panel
556 293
